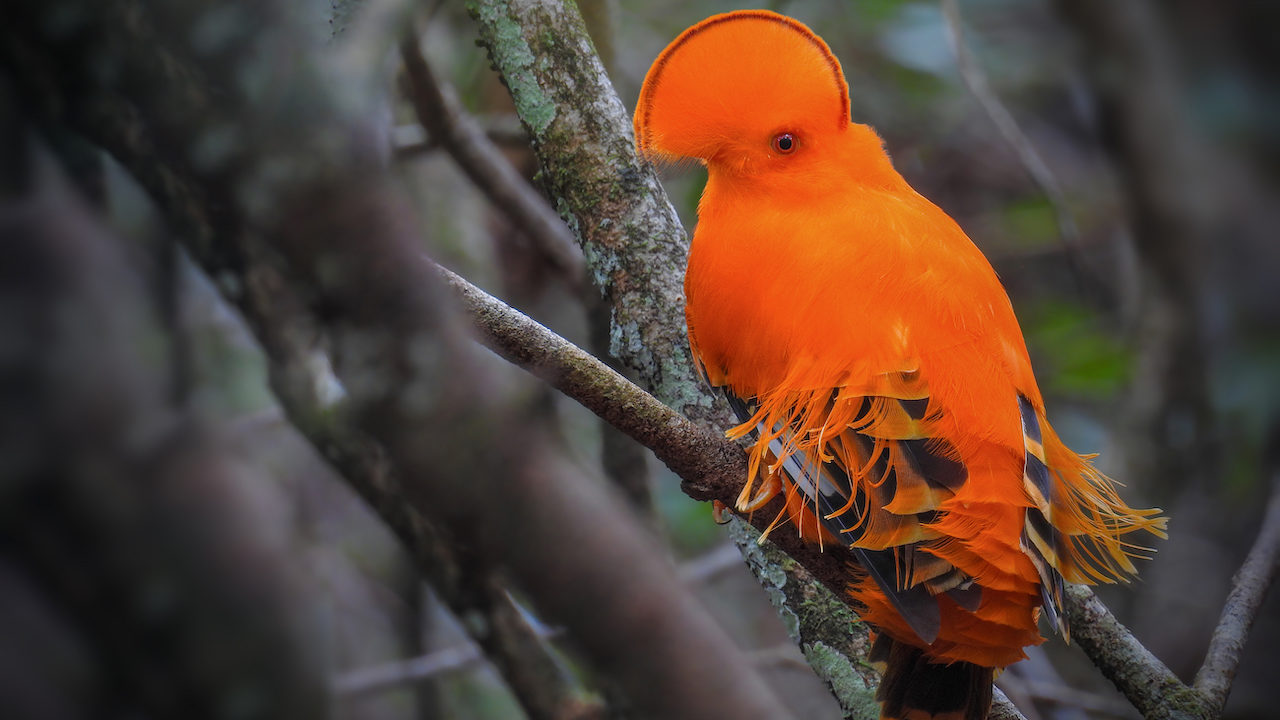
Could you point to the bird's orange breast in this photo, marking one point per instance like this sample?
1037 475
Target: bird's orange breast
846 285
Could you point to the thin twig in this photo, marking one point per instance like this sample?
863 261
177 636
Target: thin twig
449 127
976 81
502 130
710 465
387 676
1249 588
711 564
784 655
460 656
1091 703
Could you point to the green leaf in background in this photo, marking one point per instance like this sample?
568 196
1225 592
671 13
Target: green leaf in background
1030 224
1075 354
689 526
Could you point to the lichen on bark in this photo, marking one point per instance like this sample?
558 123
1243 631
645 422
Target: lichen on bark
631 237
829 634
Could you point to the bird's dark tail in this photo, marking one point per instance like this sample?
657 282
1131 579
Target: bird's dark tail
913 688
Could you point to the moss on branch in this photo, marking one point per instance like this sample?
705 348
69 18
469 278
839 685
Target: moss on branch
631 237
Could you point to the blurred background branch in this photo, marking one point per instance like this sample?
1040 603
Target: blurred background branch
459 135
1132 65
976 81
302 379
269 166
391 386
98 466
1249 589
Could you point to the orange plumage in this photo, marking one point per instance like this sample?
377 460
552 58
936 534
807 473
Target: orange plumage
868 346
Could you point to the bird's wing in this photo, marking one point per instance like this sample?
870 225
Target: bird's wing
879 484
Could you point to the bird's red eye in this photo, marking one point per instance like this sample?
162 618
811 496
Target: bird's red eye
784 143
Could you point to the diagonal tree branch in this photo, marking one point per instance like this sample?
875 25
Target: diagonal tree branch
1249 588
442 116
633 243
1152 688
711 467
450 128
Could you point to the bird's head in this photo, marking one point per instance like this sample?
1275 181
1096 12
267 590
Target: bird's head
743 92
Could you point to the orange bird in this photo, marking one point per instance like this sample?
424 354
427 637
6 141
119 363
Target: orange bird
872 354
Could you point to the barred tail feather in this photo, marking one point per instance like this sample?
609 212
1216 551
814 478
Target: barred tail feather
914 688
1094 520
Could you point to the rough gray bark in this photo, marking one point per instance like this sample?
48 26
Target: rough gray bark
634 245
831 636
1149 685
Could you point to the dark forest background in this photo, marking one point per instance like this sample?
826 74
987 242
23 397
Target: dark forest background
1142 258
